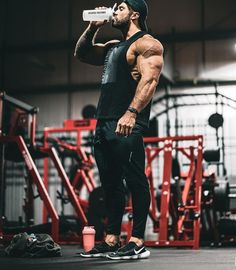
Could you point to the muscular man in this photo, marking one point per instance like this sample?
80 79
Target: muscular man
131 72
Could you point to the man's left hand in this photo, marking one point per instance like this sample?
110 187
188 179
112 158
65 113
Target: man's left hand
126 124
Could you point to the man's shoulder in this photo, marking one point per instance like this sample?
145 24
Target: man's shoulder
147 41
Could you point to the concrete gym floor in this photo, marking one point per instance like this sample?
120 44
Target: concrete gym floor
160 259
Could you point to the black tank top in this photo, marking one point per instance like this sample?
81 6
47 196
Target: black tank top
118 87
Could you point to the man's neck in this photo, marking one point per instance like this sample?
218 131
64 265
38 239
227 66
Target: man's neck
133 29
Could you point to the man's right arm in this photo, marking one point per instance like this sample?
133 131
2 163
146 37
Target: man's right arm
88 51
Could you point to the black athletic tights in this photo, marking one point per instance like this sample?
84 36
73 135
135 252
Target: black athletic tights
121 158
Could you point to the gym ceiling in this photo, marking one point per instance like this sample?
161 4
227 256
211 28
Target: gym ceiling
37 39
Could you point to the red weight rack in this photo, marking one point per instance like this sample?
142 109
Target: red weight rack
23 114
184 216
84 173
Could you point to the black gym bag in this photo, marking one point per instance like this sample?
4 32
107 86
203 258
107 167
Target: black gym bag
33 245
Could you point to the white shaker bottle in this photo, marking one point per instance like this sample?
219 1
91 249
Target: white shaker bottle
98 14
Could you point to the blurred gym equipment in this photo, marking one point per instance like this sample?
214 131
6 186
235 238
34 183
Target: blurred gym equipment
18 119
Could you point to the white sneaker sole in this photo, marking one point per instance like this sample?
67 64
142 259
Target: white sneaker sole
98 255
143 255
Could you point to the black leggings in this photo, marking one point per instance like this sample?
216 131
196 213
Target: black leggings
120 158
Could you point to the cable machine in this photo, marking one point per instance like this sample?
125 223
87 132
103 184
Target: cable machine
174 101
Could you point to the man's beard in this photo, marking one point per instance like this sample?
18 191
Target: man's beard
121 25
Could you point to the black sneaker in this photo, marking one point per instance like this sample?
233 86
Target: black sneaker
100 250
129 251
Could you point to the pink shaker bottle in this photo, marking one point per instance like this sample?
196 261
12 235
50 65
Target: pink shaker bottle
88 237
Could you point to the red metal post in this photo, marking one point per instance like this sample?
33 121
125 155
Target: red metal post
37 180
186 189
33 129
165 193
70 191
198 193
45 176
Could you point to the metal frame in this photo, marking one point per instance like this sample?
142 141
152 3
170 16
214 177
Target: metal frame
66 182
30 165
194 177
220 101
189 202
36 179
84 173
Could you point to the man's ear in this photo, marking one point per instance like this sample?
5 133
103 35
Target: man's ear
135 16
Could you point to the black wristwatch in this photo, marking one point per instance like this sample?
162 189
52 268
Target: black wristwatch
133 110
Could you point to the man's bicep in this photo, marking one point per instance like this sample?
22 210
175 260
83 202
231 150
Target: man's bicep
150 59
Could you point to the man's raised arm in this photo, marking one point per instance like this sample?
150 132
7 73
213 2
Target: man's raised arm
87 51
